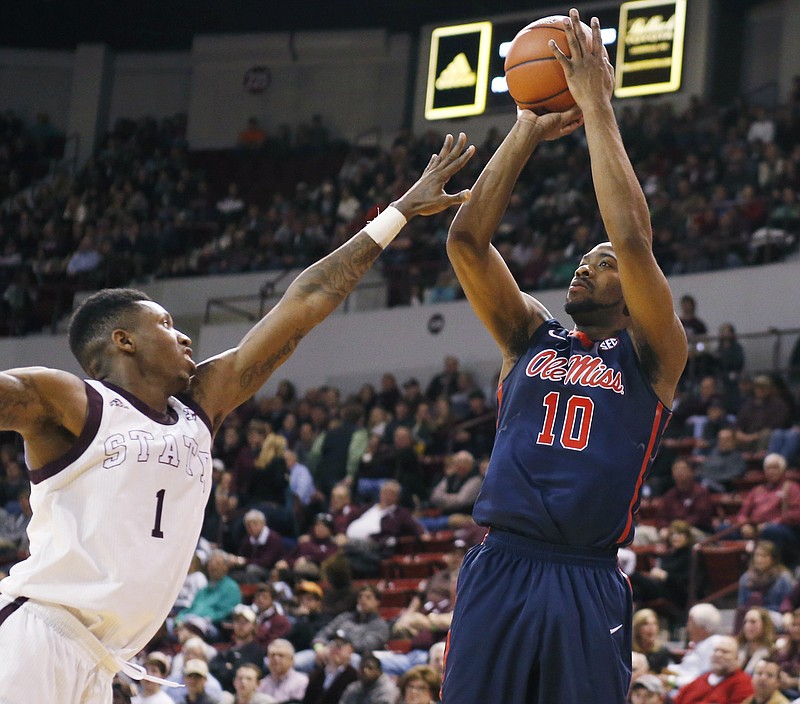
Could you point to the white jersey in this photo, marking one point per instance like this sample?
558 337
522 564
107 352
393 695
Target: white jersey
116 519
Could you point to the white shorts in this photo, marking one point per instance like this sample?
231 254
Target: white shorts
47 660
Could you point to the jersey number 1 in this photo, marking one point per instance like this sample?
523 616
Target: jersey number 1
577 422
157 532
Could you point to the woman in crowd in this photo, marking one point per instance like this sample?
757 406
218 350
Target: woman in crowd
756 638
647 640
766 582
419 685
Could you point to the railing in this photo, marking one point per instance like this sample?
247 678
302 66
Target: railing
229 303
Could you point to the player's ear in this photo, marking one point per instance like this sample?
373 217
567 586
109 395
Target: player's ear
123 340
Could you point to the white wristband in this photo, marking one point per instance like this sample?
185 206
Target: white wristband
386 226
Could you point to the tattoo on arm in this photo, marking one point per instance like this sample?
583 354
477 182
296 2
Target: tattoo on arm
336 275
255 373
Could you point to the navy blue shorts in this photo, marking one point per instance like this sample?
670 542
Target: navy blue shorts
536 623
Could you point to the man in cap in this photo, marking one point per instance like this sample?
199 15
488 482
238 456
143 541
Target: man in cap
308 616
647 689
767 684
333 672
245 647
157 665
195 676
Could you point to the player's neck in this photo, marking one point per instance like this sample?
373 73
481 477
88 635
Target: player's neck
150 393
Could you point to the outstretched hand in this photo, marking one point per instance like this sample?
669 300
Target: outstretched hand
589 73
427 196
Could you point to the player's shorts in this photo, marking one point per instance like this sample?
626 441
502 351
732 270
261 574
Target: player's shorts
47 658
536 623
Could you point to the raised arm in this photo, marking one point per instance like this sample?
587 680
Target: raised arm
509 315
656 329
225 381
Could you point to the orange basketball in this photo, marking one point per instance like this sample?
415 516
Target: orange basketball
534 76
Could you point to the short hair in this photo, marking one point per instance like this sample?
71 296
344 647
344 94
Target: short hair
255 515
420 672
706 616
97 317
776 458
281 643
251 666
370 659
370 588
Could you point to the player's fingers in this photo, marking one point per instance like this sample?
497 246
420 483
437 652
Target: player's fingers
458 164
597 37
458 198
457 149
571 29
561 57
446 146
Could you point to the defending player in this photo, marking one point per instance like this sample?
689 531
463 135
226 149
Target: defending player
580 417
120 465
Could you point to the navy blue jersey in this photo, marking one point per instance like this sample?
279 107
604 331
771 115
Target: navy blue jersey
578 427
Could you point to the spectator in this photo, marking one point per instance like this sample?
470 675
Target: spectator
340 594
760 415
688 500
194 582
420 685
786 442
259 550
195 674
374 533
766 582
283 683
756 638
157 665
318 544
788 657
766 684
771 511
729 363
342 508
647 689
332 673
301 485
669 579
701 630
445 383
458 489
215 602
723 464
244 648
335 454
372 687
193 648
269 486
647 640
246 685
364 629
307 617
725 683
271 621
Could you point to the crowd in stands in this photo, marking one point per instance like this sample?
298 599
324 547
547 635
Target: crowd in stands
722 183
326 568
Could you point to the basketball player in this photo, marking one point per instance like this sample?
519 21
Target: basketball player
581 413
120 464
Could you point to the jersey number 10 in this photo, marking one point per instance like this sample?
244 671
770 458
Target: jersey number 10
577 421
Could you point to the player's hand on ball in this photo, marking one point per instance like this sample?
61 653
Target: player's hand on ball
427 196
589 73
555 124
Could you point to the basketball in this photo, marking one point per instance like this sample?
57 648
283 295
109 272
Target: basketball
534 77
